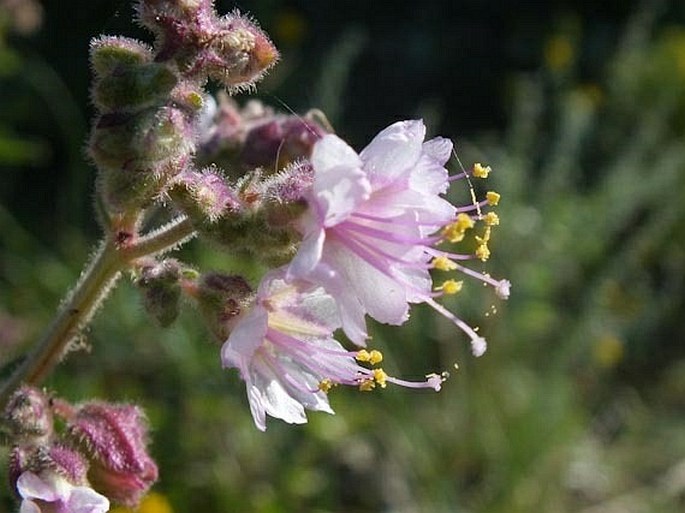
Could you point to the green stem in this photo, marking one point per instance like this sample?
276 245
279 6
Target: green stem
167 238
77 310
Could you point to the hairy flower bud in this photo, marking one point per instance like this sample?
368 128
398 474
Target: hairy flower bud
160 285
114 438
240 53
109 54
148 140
134 87
240 139
230 49
28 416
280 141
221 298
138 153
204 196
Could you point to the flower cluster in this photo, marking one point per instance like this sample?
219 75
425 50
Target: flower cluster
97 452
373 227
339 237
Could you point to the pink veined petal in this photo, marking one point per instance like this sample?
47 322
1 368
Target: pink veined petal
304 388
393 151
349 308
332 152
382 297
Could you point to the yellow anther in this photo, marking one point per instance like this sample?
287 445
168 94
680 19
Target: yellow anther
367 385
450 287
442 263
363 356
380 376
325 385
491 219
195 100
483 252
375 357
464 222
452 233
486 236
455 232
492 197
480 171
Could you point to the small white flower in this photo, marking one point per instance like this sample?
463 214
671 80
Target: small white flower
51 493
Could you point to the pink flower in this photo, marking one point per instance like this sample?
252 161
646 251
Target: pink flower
51 493
285 351
372 226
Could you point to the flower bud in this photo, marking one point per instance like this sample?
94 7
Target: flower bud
280 141
134 87
229 49
28 416
141 141
255 136
220 298
204 196
114 439
240 54
111 53
160 284
138 153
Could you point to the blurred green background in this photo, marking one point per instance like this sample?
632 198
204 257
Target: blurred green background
579 404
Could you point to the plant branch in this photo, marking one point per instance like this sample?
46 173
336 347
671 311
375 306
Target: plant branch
78 308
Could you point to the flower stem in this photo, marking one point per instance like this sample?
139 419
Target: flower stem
78 308
167 238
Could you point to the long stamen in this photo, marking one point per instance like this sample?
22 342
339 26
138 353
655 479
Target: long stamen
478 344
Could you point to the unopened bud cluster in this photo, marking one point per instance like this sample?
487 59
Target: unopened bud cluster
150 98
98 454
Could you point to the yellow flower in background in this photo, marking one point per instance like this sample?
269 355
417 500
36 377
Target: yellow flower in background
290 27
152 503
608 350
558 53
674 45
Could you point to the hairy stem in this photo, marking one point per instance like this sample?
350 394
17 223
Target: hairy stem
78 308
167 238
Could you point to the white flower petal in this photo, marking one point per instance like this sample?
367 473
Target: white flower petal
381 296
254 397
439 148
32 486
277 402
86 500
332 152
28 506
245 338
339 192
308 255
393 152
